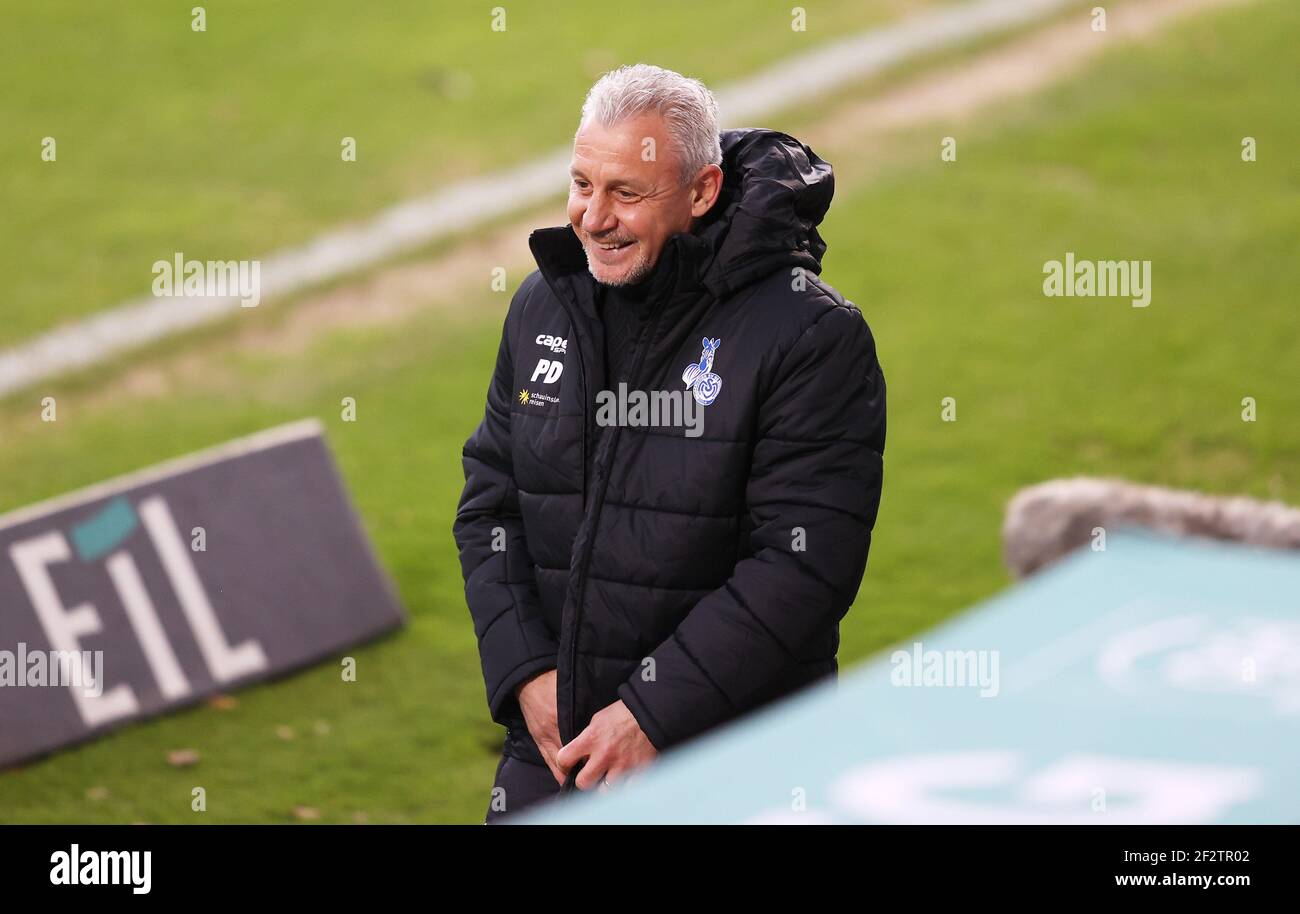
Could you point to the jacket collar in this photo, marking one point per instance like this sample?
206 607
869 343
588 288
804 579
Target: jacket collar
563 264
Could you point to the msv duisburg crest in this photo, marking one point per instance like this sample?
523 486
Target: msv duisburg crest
699 376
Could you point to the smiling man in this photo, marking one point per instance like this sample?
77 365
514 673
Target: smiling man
632 585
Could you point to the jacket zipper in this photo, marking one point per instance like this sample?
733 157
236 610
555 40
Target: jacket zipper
644 339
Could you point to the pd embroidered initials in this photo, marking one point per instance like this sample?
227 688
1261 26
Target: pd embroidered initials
548 371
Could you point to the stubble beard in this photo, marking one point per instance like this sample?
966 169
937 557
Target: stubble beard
635 272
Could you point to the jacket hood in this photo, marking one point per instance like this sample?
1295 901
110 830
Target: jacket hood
774 194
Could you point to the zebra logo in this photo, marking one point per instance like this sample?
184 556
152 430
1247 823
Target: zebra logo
699 376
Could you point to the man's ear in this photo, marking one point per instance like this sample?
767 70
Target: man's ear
705 190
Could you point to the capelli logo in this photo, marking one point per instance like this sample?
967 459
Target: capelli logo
78 867
553 343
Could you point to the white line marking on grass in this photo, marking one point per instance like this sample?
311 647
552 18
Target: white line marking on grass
473 202
831 66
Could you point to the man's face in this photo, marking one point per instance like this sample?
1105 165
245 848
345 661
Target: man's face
625 204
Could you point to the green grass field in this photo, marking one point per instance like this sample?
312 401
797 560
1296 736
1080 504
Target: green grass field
1137 159
226 143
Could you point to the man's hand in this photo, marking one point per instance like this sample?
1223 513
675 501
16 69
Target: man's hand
613 746
537 701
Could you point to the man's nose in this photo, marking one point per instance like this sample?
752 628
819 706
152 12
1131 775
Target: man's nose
599 217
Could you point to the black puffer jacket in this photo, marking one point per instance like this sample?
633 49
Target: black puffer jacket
695 578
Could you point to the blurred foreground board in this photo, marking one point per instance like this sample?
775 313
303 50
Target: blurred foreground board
158 589
1155 682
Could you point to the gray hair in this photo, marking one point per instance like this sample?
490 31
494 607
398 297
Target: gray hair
688 109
